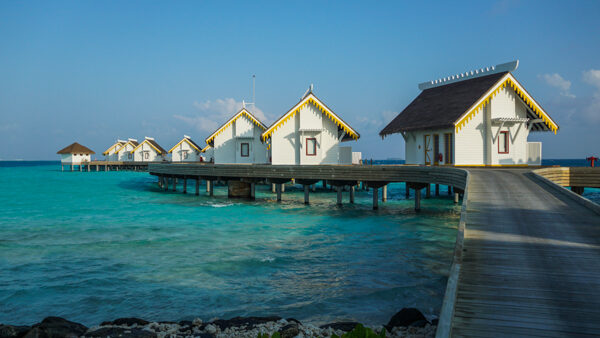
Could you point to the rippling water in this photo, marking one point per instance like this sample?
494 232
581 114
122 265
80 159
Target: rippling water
97 246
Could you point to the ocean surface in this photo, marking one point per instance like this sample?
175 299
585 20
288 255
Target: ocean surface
101 245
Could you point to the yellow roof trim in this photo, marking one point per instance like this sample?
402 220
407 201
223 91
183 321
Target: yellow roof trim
114 145
151 145
241 113
205 148
510 81
180 142
310 99
124 145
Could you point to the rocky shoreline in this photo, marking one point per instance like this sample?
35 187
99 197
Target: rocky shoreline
408 322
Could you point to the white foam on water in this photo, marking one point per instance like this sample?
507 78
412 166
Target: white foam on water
267 259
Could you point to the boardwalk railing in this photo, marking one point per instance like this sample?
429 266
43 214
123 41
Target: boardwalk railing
584 177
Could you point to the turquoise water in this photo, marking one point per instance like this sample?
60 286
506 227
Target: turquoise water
102 245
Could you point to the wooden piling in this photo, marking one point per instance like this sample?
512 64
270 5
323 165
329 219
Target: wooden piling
278 189
339 195
437 189
456 196
210 184
417 199
306 201
428 191
174 184
185 185
384 193
252 190
375 198
352 188
197 186
407 190
273 188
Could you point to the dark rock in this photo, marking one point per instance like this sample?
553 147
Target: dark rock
12 331
186 323
289 331
126 321
52 327
344 326
293 320
419 323
405 317
248 322
120 332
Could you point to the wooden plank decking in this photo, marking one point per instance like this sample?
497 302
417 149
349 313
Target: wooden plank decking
531 261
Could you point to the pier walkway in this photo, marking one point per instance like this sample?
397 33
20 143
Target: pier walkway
530 261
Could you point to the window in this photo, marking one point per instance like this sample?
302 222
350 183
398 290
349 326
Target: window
311 146
146 155
503 142
245 149
129 156
448 148
185 154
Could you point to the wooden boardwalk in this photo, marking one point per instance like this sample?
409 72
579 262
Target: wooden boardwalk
531 261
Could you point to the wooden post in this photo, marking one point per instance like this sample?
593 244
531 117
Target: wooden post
97 167
282 187
88 168
449 190
456 198
437 189
352 194
207 186
384 193
407 192
174 184
62 167
375 198
428 191
252 190
273 187
185 185
278 188
197 186
210 184
417 199
314 187
339 195
306 194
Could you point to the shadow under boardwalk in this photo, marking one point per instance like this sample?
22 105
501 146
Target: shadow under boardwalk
531 265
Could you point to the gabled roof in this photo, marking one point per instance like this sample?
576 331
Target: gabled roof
242 112
152 144
454 104
310 98
188 141
75 148
117 144
131 142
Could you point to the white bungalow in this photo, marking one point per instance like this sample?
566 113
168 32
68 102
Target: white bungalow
123 153
238 140
75 154
479 118
111 153
186 151
310 133
149 151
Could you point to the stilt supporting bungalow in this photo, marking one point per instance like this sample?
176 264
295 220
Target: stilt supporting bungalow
384 193
437 190
352 188
185 185
339 194
197 186
428 191
456 197
417 199
306 201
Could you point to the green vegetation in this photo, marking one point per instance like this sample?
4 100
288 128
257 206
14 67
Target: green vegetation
362 332
266 335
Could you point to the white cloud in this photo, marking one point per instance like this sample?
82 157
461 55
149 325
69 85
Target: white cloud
212 114
555 80
592 109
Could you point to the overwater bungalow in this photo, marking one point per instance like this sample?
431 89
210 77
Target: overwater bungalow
478 118
310 133
74 154
238 140
186 150
124 152
111 153
149 151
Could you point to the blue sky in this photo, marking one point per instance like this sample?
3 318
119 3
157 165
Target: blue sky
92 71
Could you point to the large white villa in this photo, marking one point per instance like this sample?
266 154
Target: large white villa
149 151
478 118
111 153
186 150
238 140
309 133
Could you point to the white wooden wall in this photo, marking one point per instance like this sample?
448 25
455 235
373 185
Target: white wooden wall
177 153
227 145
153 155
74 158
415 145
